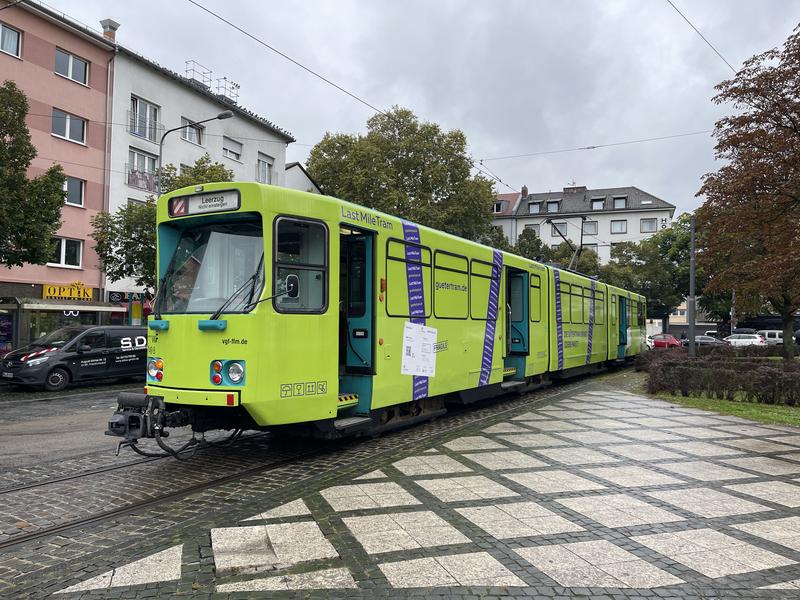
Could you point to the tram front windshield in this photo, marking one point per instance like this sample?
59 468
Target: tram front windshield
211 264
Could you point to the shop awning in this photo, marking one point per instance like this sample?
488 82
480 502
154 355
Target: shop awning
48 304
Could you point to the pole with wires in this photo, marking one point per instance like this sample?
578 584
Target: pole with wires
690 301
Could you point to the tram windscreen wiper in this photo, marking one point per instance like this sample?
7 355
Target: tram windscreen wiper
251 281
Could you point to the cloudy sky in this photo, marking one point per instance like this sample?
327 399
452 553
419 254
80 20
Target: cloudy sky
517 76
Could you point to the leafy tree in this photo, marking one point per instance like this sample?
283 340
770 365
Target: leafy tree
409 169
587 262
495 238
531 246
126 240
30 209
750 238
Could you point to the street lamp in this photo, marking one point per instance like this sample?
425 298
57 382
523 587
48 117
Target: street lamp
226 114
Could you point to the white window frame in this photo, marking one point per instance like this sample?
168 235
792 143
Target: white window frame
593 247
538 206
229 152
625 226
151 123
556 227
555 203
71 58
189 125
535 227
600 201
83 191
270 164
63 253
648 219
624 200
19 41
586 231
69 118
497 207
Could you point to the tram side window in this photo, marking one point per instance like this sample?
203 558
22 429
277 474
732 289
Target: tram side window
480 281
588 294
577 304
406 262
599 308
613 310
564 290
451 286
536 298
301 249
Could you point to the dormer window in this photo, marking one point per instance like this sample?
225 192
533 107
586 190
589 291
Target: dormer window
534 208
552 206
498 207
598 203
620 202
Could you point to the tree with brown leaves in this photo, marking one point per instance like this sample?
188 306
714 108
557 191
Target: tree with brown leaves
750 222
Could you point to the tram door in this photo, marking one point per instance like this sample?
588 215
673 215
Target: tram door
517 321
622 319
356 303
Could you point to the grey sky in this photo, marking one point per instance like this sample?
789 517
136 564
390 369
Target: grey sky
517 76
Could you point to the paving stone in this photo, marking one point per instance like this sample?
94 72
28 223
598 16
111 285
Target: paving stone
601 423
701 433
751 430
326 579
551 482
561 413
708 503
712 553
704 449
756 445
533 440
474 569
473 442
295 508
644 452
597 564
505 460
785 532
506 428
517 519
367 495
778 492
555 426
794 584
704 471
376 474
651 422
531 416
458 489
592 437
577 456
765 464
403 531
430 465
631 476
650 435
619 510
161 566
794 440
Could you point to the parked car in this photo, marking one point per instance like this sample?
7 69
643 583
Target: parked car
743 330
706 340
665 340
746 339
649 342
774 337
711 333
78 353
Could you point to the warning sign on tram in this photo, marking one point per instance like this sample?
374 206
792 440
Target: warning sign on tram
204 203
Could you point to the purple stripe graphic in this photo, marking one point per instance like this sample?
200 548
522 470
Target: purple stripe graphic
416 295
491 318
591 324
559 330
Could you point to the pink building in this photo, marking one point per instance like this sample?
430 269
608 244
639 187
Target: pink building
64 69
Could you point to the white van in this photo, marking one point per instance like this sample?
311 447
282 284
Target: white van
774 337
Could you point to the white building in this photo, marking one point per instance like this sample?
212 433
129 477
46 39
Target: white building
298 178
598 218
149 99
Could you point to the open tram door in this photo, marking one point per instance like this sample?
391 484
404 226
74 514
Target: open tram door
517 323
356 319
622 320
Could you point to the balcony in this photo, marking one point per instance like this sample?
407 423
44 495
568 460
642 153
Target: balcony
144 180
144 127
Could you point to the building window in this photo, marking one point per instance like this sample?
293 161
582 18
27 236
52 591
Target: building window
74 188
10 40
555 246
264 168
598 203
534 208
620 226
141 170
552 206
69 126
135 202
648 225
72 67
620 203
534 228
559 228
231 149
67 253
590 227
191 133
592 247
143 119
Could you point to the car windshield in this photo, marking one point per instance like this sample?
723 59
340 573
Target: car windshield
210 264
59 337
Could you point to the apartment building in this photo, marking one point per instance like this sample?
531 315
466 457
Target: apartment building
597 218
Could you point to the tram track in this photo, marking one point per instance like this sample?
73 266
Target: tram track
462 417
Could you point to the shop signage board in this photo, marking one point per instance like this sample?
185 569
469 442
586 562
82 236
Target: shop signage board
73 291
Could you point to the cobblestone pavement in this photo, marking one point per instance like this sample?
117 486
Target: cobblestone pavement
583 490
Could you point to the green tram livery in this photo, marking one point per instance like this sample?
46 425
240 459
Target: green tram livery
282 308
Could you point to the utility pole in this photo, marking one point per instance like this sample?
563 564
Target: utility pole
733 310
690 301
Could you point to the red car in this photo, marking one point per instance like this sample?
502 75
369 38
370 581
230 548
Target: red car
665 340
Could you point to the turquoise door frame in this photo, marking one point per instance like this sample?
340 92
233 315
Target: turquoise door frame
622 305
518 320
359 301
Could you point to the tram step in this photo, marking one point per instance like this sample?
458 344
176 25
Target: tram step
352 423
510 385
346 400
509 371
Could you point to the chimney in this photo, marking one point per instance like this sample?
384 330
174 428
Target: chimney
109 29
524 192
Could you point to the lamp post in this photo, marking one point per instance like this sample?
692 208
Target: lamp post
227 114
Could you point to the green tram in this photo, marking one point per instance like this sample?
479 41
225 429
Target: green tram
277 307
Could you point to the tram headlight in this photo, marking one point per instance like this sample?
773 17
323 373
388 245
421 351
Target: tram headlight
235 372
152 368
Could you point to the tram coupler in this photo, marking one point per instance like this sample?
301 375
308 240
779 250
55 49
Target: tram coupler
137 416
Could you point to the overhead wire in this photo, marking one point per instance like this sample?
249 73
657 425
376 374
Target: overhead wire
710 45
